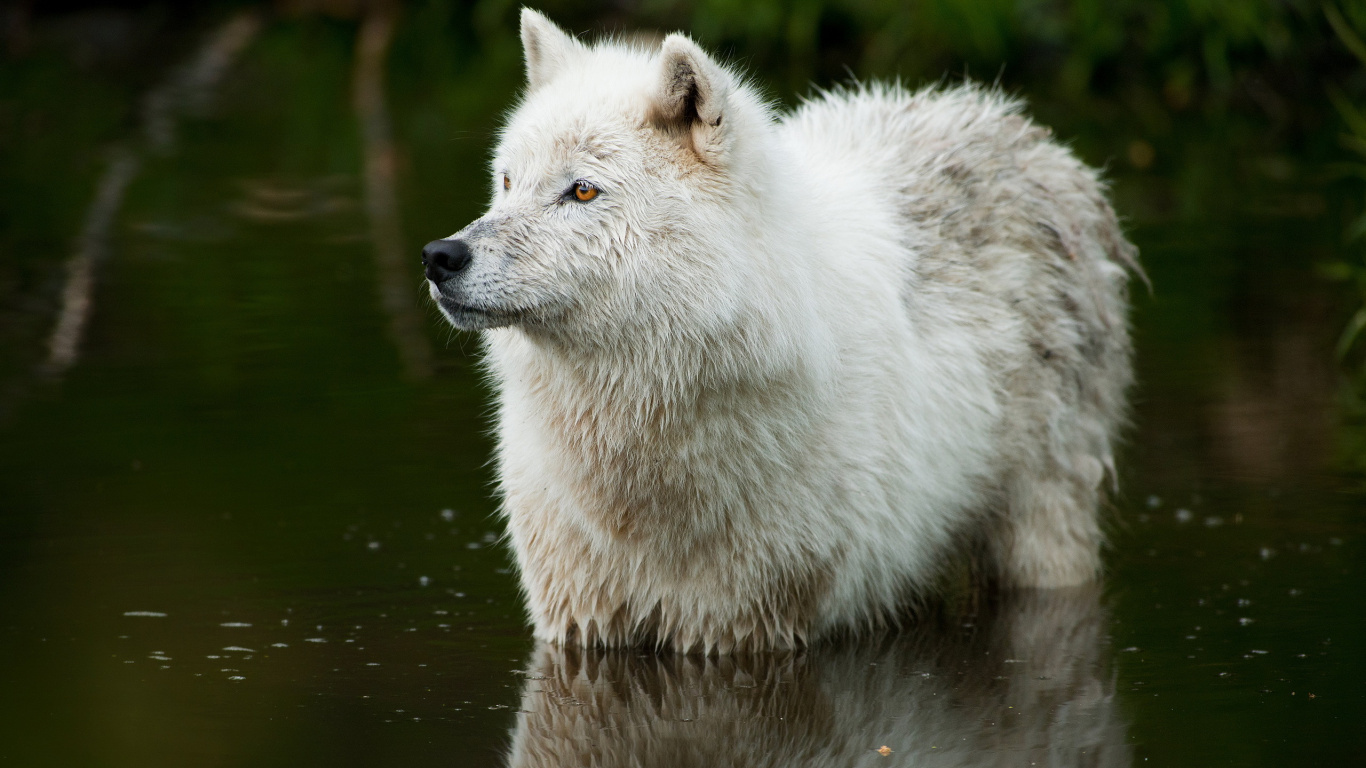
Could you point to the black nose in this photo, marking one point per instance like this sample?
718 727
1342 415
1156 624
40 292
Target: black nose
445 259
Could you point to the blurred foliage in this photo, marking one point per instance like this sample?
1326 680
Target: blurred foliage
1352 267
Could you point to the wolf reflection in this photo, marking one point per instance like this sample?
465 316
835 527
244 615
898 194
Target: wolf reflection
1029 683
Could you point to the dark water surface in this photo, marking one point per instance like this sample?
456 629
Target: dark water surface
244 529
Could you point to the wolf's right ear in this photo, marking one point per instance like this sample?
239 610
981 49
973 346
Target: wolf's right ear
546 48
693 97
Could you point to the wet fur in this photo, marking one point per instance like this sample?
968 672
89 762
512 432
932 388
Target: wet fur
785 370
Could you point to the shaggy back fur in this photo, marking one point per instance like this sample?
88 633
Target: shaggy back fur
778 372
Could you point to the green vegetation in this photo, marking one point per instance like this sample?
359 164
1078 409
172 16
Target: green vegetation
1352 267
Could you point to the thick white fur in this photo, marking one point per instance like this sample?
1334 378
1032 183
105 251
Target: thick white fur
784 370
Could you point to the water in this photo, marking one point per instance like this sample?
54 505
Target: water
243 528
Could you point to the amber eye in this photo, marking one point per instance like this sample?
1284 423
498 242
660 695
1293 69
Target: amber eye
507 183
583 191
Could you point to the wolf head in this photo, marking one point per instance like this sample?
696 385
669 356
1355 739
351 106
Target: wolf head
620 189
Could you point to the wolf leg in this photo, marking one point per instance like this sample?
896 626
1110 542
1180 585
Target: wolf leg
1049 535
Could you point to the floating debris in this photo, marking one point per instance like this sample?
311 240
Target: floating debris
146 614
234 624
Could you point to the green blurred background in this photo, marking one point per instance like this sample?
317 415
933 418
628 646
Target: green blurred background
251 434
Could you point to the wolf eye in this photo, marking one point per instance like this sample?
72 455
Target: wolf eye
507 183
583 191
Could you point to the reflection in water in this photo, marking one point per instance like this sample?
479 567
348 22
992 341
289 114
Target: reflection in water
1028 684
188 89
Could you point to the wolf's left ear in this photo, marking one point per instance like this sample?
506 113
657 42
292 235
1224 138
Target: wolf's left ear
692 97
546 48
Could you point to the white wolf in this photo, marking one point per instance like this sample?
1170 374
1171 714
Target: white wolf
762 377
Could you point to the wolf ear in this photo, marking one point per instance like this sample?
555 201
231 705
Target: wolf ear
546 47
691 100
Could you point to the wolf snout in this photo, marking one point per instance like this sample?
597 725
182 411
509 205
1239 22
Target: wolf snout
445 259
